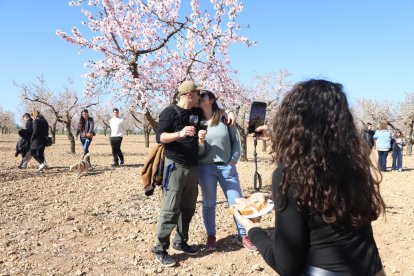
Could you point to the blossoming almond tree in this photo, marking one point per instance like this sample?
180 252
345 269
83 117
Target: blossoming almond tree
148 47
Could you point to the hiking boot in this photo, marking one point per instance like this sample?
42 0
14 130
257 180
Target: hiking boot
246 243
184 248
114 165
164 259
211 243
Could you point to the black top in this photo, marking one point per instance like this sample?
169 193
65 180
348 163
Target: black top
40 133
185 150
369 137
303 238
29 126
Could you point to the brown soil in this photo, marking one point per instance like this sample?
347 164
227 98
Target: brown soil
102 224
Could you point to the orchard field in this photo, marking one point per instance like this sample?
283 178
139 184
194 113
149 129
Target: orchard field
54 224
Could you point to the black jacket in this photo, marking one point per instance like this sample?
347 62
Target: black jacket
89 127
369 137
29 126
40 133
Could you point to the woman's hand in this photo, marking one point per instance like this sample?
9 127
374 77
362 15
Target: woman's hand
263 132
202 136
247 223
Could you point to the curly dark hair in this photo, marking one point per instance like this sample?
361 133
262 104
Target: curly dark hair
326 165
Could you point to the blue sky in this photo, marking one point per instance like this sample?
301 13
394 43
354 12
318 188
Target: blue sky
366 45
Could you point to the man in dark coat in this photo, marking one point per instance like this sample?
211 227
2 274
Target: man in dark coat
369 135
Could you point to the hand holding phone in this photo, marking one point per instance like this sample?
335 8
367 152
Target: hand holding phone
257 117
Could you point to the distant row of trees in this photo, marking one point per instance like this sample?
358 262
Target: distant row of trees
62 109
396 115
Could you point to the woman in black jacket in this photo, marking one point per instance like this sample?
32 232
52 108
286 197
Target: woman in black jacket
38 140
25 152
325 194
86 130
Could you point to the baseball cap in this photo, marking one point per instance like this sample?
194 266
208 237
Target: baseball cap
187 86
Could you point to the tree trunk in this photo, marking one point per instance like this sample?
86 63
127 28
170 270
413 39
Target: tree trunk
153 123
409 136
105 129
243 142
147 132
53 132
70 136
264 145
243 147
63 130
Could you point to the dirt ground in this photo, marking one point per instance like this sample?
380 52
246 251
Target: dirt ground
54 224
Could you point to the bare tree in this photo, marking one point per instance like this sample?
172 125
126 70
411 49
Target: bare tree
46 112
103 115
375 112
407 110
7 121
63 105
271 87
142 123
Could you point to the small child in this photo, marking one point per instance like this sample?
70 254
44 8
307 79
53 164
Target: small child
397 148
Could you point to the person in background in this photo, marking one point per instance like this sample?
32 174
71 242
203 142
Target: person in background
325 195
86 131
218 157
38 139
26 155
117 129
397 148
369 135
178 134
383 143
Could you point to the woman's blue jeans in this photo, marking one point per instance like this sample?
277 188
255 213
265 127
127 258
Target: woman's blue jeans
228 178
382 160
85 144
397 160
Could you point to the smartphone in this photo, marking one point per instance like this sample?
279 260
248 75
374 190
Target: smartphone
257 116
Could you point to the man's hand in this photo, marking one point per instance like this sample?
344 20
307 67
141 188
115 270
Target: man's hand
187 131
232 163
202 136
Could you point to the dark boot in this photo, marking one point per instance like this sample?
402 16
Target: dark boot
88 159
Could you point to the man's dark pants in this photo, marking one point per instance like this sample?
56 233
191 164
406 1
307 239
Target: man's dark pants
116 149
178 204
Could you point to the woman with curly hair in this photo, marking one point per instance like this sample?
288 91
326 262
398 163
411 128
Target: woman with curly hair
325 194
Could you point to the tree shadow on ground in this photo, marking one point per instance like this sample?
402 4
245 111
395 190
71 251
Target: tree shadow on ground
132 165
